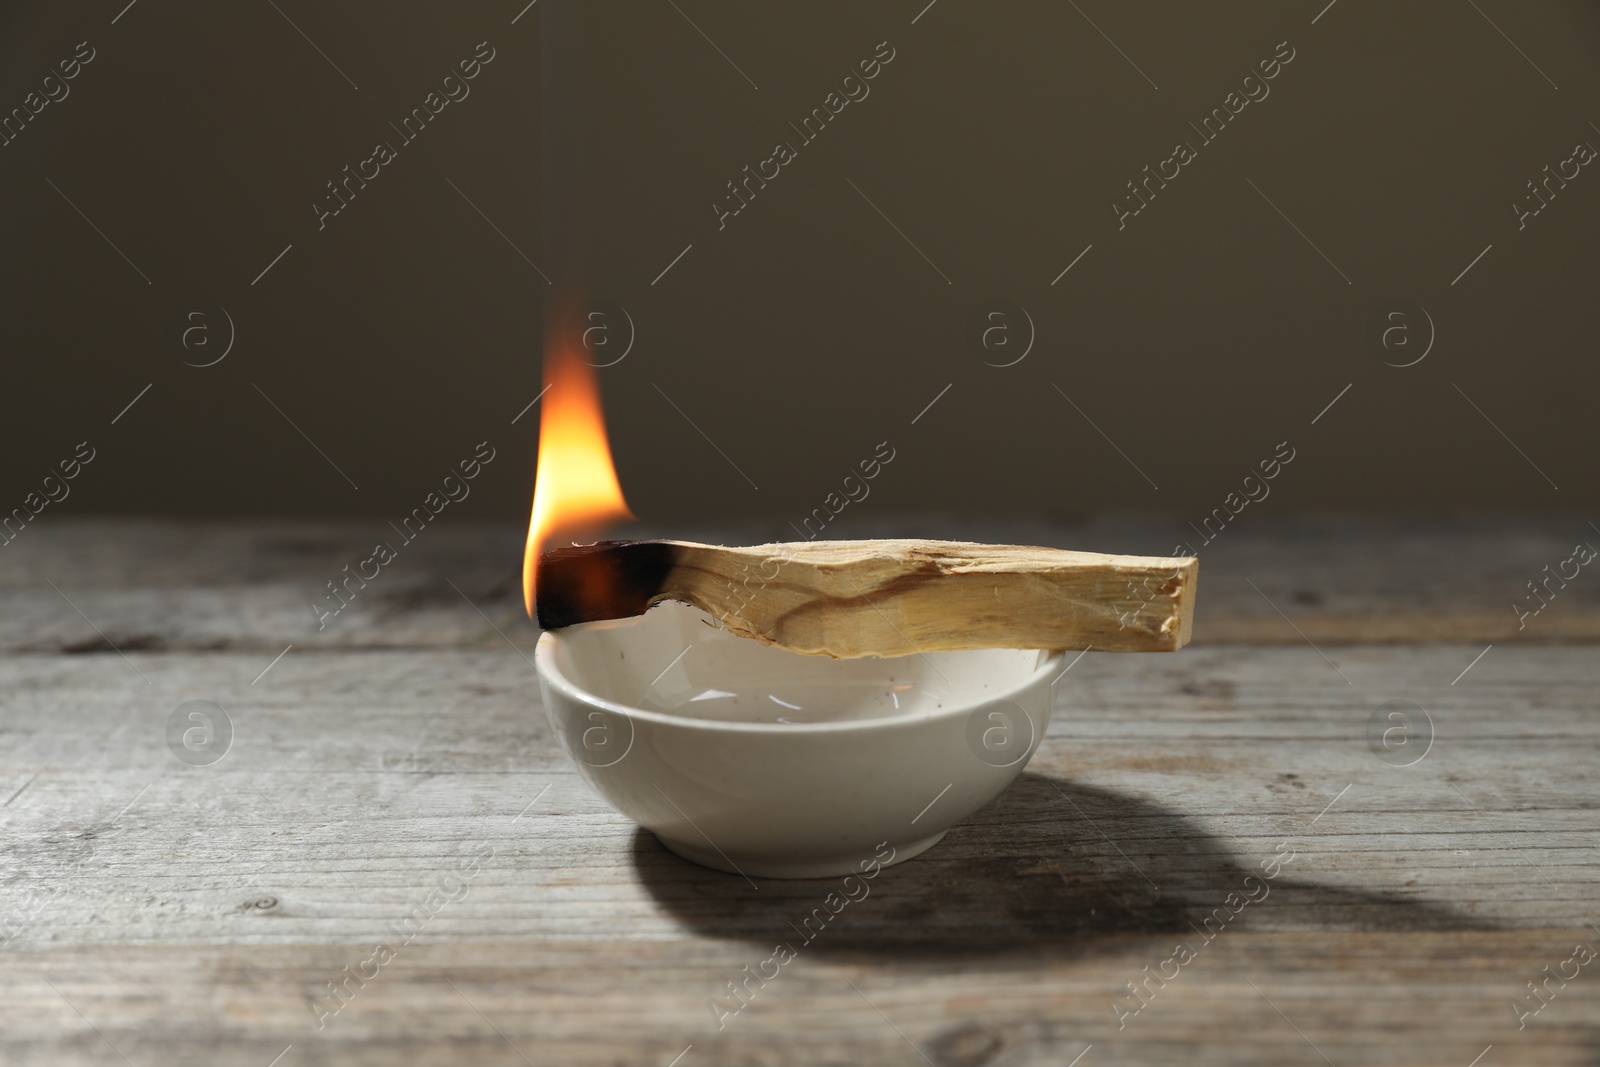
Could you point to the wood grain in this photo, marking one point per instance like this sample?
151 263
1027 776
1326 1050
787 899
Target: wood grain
166 584
170 913
895 597
1375 998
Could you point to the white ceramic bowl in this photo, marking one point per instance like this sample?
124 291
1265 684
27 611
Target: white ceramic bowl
759 761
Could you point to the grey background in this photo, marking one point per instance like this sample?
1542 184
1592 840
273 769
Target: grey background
810 329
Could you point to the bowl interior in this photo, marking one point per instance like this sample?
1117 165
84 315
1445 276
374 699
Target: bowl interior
675 660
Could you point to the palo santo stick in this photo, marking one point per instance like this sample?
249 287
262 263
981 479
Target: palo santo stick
884 598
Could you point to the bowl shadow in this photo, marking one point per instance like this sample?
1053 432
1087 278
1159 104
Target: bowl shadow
1048 864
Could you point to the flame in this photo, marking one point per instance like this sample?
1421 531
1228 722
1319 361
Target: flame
575 483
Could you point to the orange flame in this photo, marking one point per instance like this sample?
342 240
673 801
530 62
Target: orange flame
575 483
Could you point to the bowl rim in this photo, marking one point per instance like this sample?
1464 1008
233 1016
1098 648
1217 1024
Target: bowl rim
549 672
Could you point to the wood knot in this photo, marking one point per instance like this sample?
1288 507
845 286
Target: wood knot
971 1045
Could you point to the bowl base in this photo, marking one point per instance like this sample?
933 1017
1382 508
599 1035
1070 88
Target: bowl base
825 867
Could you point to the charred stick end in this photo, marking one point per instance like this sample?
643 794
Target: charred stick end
605 580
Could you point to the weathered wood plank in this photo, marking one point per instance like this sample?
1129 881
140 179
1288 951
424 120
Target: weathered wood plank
165 584
356 777
196 914
1246 998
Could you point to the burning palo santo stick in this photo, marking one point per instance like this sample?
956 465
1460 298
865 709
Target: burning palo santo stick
836 598
884 598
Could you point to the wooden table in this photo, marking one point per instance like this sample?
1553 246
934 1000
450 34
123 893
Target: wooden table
391 781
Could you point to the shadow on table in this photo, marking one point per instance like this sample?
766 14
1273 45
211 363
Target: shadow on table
1047 864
